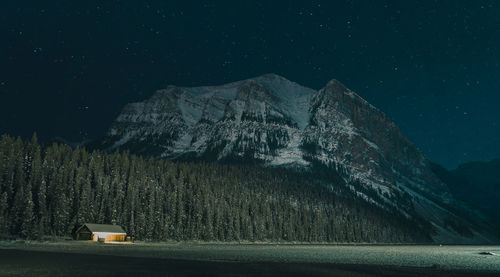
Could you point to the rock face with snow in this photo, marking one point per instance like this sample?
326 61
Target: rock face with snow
276 122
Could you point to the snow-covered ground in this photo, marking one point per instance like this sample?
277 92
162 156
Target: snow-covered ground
447 257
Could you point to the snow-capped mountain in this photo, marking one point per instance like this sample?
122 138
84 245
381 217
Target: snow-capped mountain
276 122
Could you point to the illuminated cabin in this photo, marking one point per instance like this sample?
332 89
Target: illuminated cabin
100 232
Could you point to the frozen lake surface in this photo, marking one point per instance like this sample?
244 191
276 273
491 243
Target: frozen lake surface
460 258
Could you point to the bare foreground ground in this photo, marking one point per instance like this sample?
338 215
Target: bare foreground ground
73 258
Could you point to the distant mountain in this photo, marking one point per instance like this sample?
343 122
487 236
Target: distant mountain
476 183
332 133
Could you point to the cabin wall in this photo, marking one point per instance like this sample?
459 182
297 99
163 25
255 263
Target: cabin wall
120 237
108 236
84 234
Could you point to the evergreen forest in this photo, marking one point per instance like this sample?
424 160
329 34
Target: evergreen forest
45 191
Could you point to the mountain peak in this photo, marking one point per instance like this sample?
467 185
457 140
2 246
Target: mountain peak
336 85
340 91
271 76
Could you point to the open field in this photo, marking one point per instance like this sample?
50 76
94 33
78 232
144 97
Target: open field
201 259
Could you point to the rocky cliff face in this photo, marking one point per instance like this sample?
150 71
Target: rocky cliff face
276 122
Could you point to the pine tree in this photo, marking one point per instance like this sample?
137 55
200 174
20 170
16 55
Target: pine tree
43 217
28 230
19 182
10 151
3 214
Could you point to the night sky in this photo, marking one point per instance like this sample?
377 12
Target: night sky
68 67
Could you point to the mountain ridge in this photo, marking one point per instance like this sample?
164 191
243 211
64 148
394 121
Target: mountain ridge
477 184
276 122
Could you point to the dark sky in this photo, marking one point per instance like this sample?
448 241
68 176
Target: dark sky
68 67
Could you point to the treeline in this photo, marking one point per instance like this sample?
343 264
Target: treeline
47 191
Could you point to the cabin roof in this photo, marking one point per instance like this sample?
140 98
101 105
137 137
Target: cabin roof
108 228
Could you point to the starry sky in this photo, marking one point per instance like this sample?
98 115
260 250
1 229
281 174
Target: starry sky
68 67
